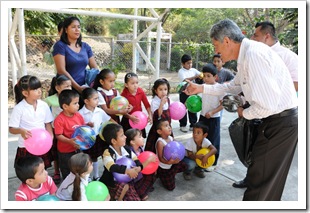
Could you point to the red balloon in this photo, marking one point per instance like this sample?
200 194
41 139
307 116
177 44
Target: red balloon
39 143
151 167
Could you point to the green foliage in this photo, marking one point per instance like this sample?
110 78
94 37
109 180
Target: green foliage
120 26
39 23
196 51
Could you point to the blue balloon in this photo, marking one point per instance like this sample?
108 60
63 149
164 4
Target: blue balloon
84 136
48 198
174 149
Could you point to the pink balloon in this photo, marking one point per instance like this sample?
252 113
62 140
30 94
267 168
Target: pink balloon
142 120
177 110
39 143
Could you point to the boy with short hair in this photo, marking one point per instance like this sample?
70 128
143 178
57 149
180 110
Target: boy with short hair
223 74
194 144
210 113
64 126
187 73
35 180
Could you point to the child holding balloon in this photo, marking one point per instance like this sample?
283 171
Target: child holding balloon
30 113
160 110
35 180
197 142
168 168
94 117
59 83
135 96
104 84
64 126
135 141
75 184
121 188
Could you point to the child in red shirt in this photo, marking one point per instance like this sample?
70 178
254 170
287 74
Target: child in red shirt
135 96
35 180
64 126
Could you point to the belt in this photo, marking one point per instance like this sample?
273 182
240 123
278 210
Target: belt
284 113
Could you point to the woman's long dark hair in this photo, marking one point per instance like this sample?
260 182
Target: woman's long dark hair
64 35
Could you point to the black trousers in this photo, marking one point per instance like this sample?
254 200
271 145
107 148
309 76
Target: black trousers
192 116
272 156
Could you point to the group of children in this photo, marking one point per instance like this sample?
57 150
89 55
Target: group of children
60 113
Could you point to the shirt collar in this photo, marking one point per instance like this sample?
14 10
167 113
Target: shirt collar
123 151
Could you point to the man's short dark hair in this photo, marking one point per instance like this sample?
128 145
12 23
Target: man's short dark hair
267 27
66 96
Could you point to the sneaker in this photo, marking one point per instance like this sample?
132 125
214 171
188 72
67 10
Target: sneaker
187 176
183 129
96 178
210 169
199 173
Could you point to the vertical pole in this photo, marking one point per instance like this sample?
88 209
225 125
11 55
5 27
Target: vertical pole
148 49
134 56
157 52
22 40
169 53
12 58
197 56
112 53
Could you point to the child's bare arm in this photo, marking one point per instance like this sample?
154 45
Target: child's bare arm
49 128
23 132
71 141
212 112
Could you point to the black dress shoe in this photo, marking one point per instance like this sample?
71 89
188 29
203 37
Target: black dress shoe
240 184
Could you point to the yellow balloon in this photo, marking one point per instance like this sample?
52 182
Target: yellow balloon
210 161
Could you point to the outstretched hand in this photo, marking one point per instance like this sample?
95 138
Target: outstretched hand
193 88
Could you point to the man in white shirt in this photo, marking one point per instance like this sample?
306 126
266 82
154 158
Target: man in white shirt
266 83
265 32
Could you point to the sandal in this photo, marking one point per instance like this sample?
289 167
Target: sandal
56 178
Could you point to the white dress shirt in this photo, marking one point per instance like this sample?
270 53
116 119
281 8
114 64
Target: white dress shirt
264 79
290 59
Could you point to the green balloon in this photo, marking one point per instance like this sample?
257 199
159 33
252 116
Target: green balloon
181 86
96 191
193 103
48 198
